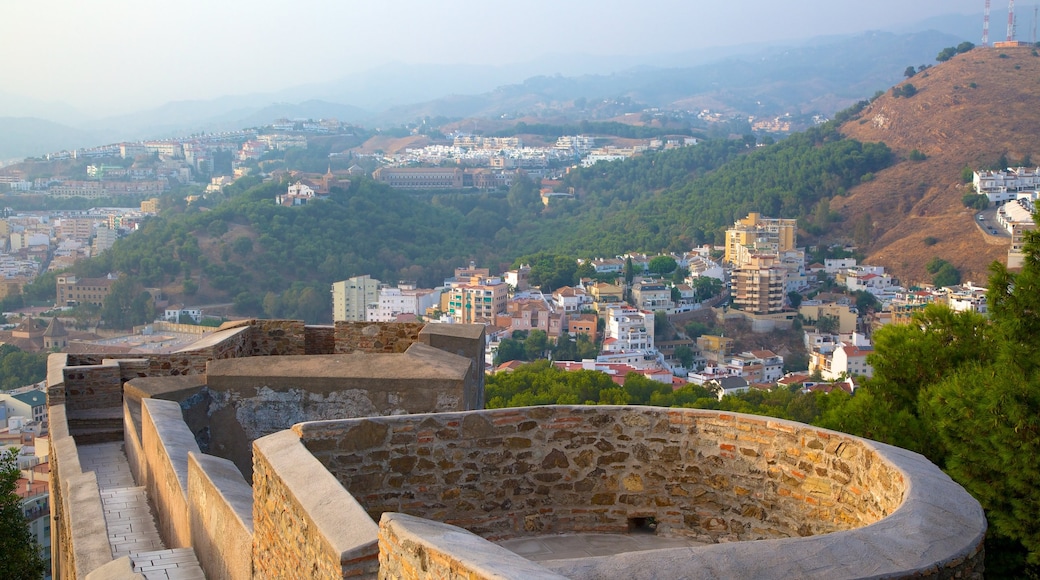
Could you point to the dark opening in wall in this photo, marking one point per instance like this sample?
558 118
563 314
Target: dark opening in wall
642 525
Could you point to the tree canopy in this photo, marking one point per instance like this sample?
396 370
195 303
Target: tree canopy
20 557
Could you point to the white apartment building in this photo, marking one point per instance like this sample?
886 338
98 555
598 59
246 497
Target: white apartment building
628 329
405 299
1000 187
571 300
351 297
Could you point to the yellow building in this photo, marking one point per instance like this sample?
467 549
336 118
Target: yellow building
150 205
755 235
477 302
814 312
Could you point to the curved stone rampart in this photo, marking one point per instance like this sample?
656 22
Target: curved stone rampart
866 508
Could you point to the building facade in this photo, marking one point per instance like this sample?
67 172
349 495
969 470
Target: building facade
351 297
758 286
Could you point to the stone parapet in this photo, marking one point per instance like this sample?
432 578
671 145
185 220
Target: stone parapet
165 444
715 477
375 337
220 512
254 397
412 548
304 522
320 340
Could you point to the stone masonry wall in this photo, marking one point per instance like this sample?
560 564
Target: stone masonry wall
276 337
376 337
320 340
305 525
545 470
94 387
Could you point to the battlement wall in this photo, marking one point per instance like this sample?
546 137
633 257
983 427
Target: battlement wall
861 508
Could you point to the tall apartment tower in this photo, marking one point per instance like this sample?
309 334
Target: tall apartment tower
758 286
350 297
758 235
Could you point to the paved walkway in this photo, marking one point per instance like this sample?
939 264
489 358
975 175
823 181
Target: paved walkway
566 546
131 525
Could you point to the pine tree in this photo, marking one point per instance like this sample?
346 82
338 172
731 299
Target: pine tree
19 553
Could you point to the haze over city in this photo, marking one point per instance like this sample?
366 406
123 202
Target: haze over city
112 56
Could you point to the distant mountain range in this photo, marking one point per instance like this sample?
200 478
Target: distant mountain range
821 75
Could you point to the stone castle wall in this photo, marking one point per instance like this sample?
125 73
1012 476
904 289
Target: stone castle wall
319 488
548 470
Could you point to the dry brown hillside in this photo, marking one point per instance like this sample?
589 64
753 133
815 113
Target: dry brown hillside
967 112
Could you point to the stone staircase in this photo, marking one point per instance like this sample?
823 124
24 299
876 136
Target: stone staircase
128 517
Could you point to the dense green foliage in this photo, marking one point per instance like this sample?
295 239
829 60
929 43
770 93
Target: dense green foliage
19 368
19 553
784 180
539 383
952 51
943 273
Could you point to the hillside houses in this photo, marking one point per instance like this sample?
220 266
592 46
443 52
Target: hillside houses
1000 187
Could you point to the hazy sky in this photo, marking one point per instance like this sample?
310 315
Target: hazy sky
105 54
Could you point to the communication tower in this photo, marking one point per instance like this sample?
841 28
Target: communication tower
1011 21
1036 10
985 25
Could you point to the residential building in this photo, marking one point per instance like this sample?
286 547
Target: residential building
1000 187
587 324
104 238
652 296
532 314
759 284
571 300
847 358
180 313
851 361
967 297
29 403
518 279
617 370
351 297
478 301
602 292
443 177
813 310
714 348
833 265
72 291
405 299
630 329
1016 217
755 235
150 206
762 366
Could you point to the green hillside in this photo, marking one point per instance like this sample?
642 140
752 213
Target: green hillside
279 261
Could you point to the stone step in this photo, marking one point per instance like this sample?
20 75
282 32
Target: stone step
88 436
174 563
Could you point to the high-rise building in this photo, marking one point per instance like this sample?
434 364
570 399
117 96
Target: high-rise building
758 286
757 235
352 296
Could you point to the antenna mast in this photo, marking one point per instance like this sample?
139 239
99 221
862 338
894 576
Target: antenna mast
985 25
1036 9
1011 21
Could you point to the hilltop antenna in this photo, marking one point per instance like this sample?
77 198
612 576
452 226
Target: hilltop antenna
985 25
1036 9
1011 21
